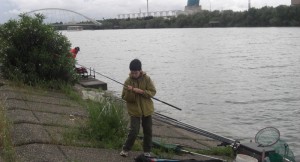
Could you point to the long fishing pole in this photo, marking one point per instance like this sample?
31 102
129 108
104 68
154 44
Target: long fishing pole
125 85
179 148
175 122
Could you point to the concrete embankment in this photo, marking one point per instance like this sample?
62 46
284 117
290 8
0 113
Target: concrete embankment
40 118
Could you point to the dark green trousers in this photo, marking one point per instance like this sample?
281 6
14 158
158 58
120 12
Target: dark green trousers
134 131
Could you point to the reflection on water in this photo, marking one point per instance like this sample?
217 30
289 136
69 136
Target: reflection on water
231 81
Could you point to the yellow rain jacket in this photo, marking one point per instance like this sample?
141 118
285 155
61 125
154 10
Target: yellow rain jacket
139 105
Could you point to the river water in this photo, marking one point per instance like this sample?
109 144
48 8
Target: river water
230 81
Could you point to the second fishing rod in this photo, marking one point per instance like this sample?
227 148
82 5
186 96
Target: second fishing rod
126 85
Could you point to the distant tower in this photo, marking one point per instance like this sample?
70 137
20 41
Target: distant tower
192 7
296 2
147 9
249 4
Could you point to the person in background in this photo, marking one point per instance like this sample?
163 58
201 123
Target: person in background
137 93
74 51
80 70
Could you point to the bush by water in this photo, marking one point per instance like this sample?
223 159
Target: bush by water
33 52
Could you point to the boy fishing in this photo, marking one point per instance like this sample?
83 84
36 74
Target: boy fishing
137 93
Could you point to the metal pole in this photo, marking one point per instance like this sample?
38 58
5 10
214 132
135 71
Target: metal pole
249 4
147 9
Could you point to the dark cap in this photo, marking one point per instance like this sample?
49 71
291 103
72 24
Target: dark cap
135 65
77 48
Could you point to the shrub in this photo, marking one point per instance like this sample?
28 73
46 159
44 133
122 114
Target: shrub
33 52
107 122
106 126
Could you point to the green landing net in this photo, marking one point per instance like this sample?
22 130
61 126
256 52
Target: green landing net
282 152
270 136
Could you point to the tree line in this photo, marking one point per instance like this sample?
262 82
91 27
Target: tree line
281 16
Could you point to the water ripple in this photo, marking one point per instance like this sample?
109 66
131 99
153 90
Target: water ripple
264 101
268 66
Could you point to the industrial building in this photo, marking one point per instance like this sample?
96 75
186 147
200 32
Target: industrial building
192 7
296 2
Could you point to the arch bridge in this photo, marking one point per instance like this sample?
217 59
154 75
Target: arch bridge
64 18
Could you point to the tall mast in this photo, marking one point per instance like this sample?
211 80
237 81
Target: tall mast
249 4
147 9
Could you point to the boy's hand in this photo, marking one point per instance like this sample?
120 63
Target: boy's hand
130 88
137 90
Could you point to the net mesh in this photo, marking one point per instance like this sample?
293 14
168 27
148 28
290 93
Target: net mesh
282 151
267 136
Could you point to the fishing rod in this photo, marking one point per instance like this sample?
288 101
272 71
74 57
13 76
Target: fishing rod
171 121
179 148
125 85
210 157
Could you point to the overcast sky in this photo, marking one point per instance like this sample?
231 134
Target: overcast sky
98 9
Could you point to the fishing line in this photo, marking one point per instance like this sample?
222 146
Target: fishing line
125 85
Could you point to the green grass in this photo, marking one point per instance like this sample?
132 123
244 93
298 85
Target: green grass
6 147
218 151
164 154
69 90
106 126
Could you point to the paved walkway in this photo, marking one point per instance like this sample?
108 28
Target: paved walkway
40 118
